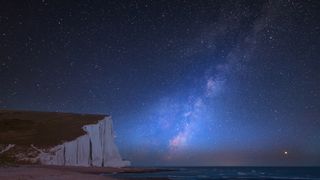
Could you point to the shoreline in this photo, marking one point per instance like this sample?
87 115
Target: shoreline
48 172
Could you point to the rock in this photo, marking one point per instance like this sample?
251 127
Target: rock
64 139
96 148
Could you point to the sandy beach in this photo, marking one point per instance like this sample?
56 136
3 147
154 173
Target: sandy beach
45 173
38 172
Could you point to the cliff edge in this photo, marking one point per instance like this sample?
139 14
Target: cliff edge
55 138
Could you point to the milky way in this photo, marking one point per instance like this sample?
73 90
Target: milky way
186 82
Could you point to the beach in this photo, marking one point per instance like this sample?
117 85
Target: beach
40 172
45 172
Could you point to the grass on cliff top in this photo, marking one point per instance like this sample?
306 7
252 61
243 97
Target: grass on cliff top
43 129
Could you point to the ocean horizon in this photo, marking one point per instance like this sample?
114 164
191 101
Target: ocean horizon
226 172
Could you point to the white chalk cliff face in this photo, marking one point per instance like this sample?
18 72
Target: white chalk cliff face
95 148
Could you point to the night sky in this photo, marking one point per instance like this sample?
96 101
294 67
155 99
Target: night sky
186 82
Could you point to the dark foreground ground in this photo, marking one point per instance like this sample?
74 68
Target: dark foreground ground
39 172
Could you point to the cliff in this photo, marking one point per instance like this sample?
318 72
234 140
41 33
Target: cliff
58 139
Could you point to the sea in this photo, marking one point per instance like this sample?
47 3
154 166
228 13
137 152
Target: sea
203 173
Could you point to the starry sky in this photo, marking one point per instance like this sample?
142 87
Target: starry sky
187 82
